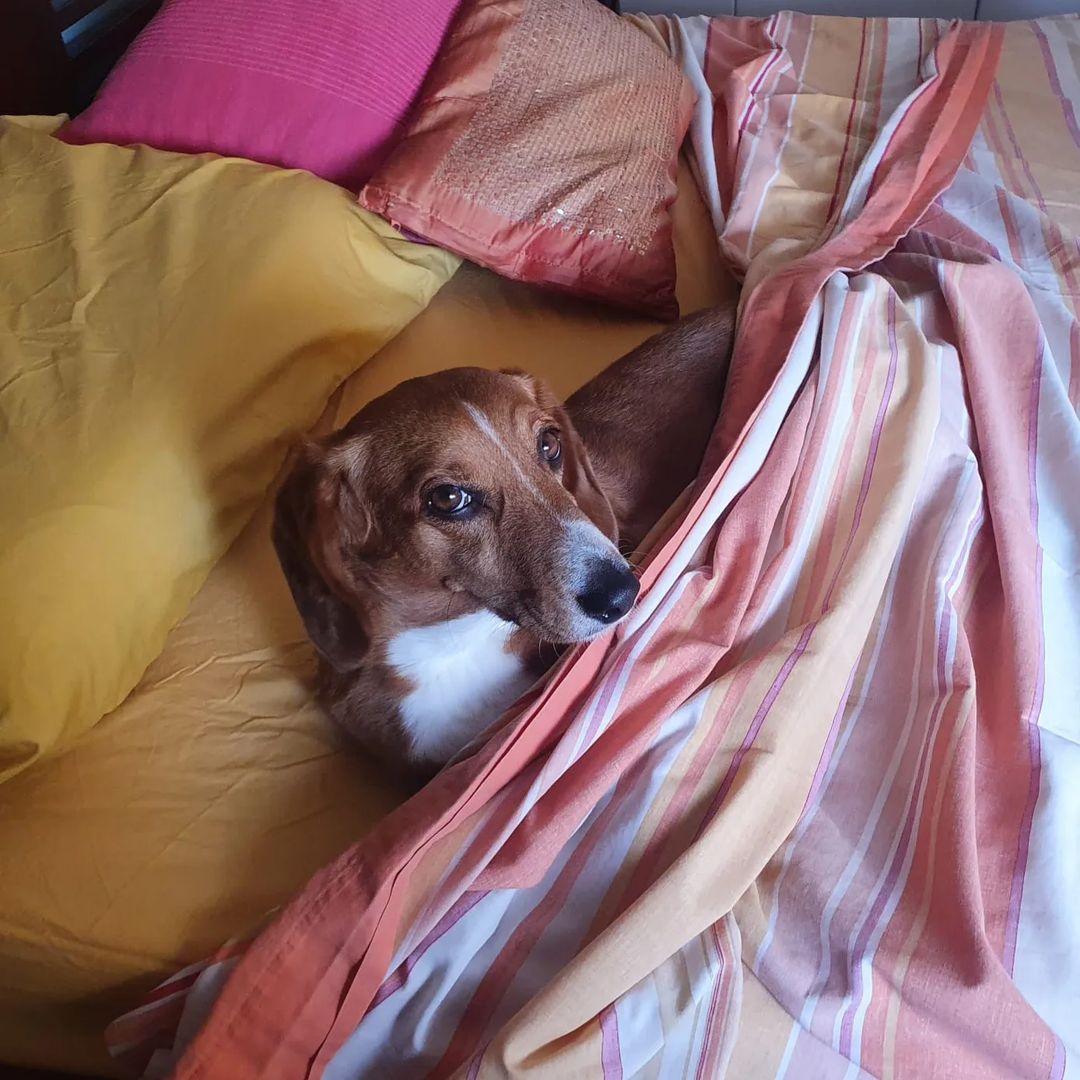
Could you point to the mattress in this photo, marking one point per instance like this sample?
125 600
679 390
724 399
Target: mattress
208 798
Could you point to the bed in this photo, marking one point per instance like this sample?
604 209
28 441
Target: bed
804 817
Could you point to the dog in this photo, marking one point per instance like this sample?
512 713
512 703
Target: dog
459 529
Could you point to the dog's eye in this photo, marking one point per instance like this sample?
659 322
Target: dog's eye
550 446
446 500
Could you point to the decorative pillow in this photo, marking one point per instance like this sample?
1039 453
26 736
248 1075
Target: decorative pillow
168 325
544 146
322 85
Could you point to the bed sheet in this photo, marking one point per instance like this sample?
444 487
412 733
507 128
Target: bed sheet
217 788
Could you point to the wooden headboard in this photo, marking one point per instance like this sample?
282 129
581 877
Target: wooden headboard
54 53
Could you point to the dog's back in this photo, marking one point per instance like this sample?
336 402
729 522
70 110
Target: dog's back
647 418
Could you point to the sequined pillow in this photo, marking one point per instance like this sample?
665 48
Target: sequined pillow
544 146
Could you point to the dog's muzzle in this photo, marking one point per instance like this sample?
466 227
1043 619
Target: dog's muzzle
609 593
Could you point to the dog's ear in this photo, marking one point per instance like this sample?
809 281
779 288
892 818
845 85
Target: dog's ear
318 516
578 476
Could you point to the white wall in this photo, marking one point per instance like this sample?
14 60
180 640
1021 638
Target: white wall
941 9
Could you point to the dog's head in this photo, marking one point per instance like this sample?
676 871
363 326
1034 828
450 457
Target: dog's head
464 482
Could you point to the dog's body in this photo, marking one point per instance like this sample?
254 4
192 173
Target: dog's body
445 542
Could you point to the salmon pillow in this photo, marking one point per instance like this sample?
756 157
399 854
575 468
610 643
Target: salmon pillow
322 85
169 324
544 146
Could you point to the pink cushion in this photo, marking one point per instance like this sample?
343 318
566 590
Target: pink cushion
322 85
545 146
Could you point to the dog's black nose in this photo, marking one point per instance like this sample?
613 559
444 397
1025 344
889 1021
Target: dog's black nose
609 593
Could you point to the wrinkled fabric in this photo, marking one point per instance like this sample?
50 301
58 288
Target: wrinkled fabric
168 325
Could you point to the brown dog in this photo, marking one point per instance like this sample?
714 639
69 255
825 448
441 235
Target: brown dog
463 520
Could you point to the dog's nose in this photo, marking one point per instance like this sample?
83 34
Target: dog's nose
609 593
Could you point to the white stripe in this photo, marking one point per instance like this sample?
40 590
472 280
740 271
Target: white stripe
486 426
701 962
849 724
1047 966
1063 64
640 641
765 191
789 1050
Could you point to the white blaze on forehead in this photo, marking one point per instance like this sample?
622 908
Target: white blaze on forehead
483 422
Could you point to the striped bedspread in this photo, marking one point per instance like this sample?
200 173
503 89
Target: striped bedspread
815 812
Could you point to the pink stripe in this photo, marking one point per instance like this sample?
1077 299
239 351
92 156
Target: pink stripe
774 58
922 774
1011 133
850 123
1016 895
804 639
1057 1070
606 694
830 742
875 444
925 89
714 1014
456 913
474 1068
610 1058
1067 109
755 727
499 977
822 567
174 986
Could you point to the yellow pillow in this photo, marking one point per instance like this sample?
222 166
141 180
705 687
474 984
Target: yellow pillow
168 323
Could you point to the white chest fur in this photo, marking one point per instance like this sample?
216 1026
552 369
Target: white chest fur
463 680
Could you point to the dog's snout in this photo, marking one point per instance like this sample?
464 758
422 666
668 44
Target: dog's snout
610 591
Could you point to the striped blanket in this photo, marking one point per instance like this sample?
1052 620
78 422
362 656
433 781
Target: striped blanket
815 811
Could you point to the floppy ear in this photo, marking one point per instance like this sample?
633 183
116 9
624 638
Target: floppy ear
579 477
316 514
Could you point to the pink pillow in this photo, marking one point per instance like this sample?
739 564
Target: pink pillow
322 85
545 146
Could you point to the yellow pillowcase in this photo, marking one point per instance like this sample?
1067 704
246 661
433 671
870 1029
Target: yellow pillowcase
168 324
